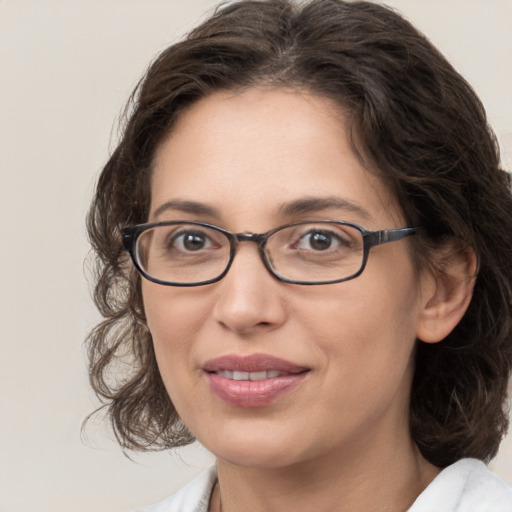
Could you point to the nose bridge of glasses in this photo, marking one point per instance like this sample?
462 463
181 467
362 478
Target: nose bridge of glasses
250 237
259 239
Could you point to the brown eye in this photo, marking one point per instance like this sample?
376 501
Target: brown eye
320 240
191 241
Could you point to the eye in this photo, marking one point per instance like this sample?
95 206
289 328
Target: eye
191 241
321 240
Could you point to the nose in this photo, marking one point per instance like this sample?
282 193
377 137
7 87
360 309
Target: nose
249 298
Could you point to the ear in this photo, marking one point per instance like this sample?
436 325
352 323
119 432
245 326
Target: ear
447 291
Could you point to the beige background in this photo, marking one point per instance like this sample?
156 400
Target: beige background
66 69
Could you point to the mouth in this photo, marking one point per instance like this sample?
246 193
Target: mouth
252 376
252 381
253 364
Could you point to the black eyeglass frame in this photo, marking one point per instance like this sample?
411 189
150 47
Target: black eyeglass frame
371 239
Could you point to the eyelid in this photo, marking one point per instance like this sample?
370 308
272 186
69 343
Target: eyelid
339 234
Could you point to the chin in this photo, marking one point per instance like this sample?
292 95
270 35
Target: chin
251 449
257 458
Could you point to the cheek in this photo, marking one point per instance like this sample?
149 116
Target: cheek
366 326
369 361
174 324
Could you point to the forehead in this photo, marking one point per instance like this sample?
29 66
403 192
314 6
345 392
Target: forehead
253 151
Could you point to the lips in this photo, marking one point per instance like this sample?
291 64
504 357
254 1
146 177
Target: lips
252 381
238 375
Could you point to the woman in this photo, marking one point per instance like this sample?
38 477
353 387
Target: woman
358 358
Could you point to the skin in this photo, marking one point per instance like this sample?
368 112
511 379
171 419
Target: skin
340 440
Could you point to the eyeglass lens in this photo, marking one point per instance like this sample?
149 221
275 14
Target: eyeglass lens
309 252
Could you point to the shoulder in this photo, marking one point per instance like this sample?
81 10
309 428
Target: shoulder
466 486
194 497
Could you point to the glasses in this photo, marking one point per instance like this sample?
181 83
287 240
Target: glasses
182 253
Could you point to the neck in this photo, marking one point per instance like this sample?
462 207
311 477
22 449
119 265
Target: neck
378 478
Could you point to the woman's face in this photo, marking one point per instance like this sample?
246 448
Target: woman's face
339 355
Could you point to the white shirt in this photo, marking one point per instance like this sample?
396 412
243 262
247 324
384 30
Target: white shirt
466 486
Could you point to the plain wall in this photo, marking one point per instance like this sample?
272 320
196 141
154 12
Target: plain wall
66 69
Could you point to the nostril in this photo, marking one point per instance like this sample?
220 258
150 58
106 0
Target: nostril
262 325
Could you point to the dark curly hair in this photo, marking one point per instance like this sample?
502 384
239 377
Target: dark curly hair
413 119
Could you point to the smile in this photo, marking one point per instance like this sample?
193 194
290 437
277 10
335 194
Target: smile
252 381
238 375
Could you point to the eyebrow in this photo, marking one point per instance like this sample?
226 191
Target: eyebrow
316 204
191 207
298 207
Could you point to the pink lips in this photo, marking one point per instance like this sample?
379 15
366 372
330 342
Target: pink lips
252 381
